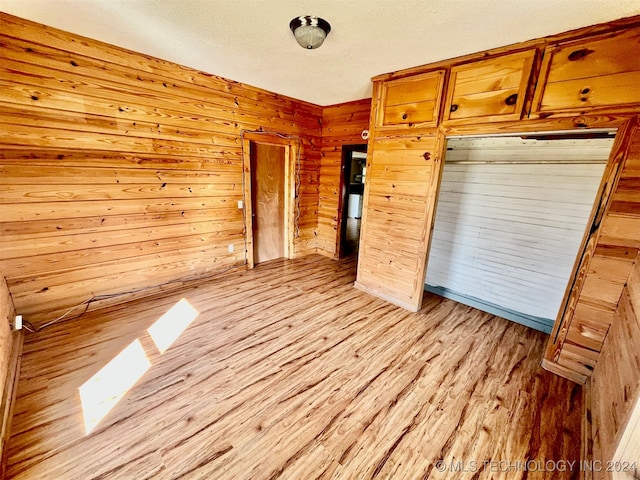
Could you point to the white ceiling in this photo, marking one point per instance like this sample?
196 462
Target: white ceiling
250 41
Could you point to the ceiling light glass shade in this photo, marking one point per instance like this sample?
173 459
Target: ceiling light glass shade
309 31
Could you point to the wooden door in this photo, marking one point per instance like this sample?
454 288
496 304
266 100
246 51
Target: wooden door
267 201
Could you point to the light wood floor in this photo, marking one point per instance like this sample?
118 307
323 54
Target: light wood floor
289 372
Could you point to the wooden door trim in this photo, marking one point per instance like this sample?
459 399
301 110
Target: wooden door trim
291 148
604 197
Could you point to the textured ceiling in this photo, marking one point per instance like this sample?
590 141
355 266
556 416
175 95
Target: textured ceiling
250 41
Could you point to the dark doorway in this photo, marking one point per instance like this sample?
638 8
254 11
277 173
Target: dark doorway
354 160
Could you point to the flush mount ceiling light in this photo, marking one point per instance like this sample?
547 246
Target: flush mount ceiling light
309 31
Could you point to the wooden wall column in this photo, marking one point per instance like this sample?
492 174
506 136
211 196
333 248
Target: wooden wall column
10 355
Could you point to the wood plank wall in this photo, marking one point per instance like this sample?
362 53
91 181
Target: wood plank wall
616 248
342 124
121 171
615 384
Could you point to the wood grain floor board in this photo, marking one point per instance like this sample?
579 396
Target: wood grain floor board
289 372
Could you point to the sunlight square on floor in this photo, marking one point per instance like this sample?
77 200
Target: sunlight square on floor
106 388
170 326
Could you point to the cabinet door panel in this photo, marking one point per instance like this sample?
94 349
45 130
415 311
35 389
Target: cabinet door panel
412 89
485 104
592 72
409 113
622 88
492 89
411 101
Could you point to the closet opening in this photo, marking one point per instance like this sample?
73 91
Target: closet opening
510 220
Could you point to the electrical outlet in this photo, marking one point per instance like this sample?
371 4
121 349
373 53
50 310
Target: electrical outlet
17 324
240 205
231 248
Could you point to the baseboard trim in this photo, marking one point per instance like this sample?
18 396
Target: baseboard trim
538 323
385 297
565 372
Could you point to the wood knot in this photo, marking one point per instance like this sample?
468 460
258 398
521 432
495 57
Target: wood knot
511 99
426 156
579 122
580 54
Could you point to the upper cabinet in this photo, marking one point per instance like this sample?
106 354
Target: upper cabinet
411 101
490 90
593 72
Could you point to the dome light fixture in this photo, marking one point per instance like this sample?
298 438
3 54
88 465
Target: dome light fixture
309 31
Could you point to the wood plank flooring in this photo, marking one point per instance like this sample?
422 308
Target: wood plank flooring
289 372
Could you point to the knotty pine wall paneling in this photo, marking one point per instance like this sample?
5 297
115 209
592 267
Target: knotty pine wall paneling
121 171
342 124
615 384
401 191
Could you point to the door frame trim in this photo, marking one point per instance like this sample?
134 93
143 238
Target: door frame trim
291 148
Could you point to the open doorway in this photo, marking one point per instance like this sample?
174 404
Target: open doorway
354 170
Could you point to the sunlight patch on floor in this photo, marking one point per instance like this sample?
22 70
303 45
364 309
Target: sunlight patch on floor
170 326
106 388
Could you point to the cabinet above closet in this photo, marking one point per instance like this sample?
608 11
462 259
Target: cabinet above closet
592 72
493 89
572 74
411 101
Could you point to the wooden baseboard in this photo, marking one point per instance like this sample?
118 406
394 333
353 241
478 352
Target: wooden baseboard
9 396
563 371
538 323
388 298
